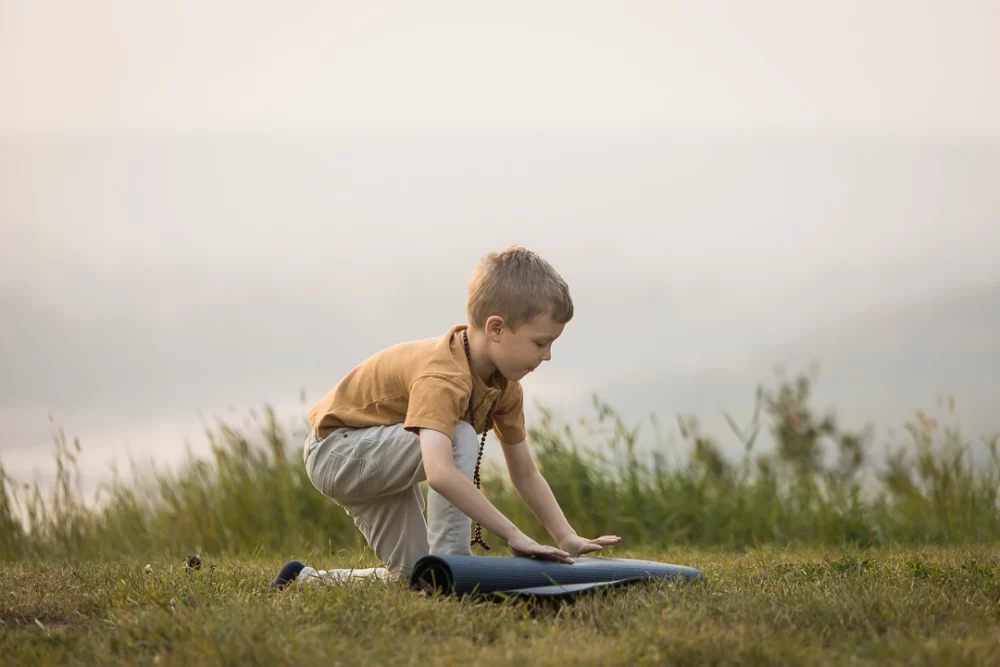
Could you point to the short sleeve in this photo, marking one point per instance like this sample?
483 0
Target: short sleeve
508 417
435 402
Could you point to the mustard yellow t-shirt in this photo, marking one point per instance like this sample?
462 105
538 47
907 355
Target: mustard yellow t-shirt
421 384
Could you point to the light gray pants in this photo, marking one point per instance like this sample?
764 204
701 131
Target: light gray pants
374 474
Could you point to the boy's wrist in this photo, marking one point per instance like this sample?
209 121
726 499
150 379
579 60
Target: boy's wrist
513 533
566 535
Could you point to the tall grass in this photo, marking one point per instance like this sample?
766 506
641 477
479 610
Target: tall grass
816 486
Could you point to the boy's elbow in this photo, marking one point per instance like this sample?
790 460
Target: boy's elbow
437 477
435 450
522 478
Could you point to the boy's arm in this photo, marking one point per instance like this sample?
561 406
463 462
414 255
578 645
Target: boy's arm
537 494
457 489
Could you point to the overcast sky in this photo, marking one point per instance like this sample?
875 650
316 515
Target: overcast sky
886 66
211 205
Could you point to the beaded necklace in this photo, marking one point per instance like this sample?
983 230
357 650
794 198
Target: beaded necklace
478 539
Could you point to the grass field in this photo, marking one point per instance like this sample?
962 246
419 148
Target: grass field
813 554
930 606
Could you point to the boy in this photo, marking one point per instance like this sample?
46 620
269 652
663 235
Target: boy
414 411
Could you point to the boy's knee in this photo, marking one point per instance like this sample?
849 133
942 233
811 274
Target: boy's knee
465 448
465 433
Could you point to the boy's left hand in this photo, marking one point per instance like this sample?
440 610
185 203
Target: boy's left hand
576 545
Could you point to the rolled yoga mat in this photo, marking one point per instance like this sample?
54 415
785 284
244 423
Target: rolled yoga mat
518 576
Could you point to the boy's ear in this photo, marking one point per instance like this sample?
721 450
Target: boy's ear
494 327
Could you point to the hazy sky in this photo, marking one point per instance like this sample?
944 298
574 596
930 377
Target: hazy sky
886 66
207 206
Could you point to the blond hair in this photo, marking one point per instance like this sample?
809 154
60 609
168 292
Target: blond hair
518 285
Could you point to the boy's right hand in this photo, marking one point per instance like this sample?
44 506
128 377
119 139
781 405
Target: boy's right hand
524 546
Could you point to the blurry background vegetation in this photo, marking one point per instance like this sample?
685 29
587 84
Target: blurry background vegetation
815 486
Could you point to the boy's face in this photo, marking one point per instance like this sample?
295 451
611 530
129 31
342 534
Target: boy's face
517 353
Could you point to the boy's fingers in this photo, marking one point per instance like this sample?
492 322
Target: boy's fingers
561 555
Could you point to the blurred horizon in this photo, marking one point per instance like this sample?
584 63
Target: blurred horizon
205 211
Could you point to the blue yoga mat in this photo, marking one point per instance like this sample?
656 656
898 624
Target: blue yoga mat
518 576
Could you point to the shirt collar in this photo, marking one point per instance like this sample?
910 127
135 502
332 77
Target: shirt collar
478 385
